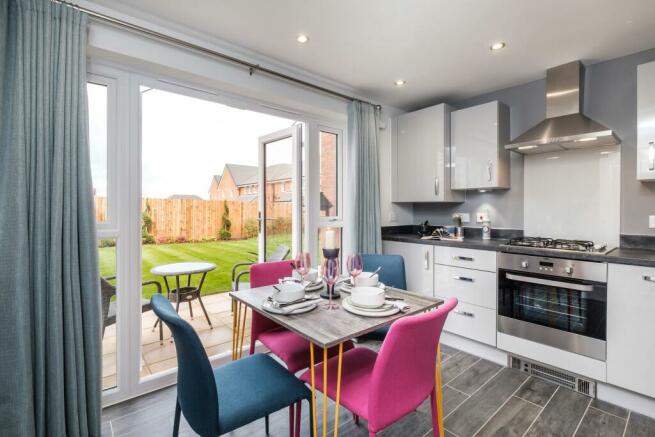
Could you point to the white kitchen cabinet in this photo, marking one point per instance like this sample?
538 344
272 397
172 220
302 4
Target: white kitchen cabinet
466 258
646 122
631 328
419 264
468 285
478 137
422 164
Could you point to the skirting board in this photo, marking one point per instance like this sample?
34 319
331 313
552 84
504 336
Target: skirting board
626 399
474 348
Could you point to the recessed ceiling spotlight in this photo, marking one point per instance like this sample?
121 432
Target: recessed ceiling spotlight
400 82
497 46
302 38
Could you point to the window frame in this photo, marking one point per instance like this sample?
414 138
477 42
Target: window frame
334 220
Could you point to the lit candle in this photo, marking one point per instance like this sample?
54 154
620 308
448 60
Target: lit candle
330 242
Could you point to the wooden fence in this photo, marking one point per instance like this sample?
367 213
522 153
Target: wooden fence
196 220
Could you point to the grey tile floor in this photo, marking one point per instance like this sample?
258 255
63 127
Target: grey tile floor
480 399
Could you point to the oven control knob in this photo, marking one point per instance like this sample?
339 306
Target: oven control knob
524 264
568 270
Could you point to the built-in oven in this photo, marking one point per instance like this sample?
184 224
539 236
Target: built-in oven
553 301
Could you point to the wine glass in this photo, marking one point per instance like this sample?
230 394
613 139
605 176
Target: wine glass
355 266
331 275
302 264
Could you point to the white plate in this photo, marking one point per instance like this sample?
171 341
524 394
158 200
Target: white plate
346 289
368 313
314 287
271 309
384 307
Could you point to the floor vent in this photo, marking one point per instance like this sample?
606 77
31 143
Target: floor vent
553 374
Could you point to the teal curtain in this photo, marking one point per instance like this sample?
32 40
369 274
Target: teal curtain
50 364
363 125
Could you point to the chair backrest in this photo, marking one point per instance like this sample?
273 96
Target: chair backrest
107 291
261 275
404 372
393 269
280 253
196 386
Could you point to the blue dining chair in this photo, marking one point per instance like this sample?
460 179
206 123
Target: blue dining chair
217 401
392 275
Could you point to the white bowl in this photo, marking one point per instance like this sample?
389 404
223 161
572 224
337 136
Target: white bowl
288 292
367 297
311 276
365 279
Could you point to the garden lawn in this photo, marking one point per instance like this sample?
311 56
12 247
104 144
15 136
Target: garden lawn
224 254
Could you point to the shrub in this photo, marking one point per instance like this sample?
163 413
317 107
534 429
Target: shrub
146 226
224 233
251 228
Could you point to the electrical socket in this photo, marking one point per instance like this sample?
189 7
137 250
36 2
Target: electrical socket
651 221
481 216
466 217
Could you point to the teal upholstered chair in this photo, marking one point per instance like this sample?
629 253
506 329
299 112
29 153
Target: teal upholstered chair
217 401
392 275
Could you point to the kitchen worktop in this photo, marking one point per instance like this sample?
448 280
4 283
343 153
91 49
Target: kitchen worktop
630 256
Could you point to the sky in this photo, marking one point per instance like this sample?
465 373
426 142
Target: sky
185 141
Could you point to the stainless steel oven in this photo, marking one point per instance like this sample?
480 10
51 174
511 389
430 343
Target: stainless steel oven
553 301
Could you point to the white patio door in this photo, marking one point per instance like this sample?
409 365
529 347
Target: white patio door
280 193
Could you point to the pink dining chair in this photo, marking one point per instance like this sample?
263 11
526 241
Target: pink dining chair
386 386
291 348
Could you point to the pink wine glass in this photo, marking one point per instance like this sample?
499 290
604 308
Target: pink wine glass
331 275
355 266
302 264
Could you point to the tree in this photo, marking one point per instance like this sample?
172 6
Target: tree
224 233
146 226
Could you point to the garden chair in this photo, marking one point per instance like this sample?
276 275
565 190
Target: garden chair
279 254
108 291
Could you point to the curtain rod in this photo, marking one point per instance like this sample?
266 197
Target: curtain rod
252 68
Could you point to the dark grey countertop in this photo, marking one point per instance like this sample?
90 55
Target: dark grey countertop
637 257
468 243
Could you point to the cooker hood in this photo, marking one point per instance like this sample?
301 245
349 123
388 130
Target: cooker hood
565 126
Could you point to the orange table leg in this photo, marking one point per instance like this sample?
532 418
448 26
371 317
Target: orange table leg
243 330
311 366
338 397
439 389
325 384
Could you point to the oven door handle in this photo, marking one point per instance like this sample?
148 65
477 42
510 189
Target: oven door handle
570 286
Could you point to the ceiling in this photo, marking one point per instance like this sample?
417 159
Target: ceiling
441 48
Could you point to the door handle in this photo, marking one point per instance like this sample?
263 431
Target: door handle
436 186
649 278
426 258
464 313
651 155
489 166
462 258
462 278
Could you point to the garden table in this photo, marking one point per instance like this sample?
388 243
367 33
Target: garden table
186 293
325 329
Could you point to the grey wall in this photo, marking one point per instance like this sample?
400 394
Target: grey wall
610 98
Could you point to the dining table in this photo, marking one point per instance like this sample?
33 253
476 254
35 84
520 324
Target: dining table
324 329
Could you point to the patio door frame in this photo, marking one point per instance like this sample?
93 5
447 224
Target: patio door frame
295 133
124 158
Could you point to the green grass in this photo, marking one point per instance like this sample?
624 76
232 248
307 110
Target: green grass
222 253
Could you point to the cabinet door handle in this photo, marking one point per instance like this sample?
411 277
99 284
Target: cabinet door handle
464 313
651 155
436 186
489 166
649 278
462 278
462 258
427 260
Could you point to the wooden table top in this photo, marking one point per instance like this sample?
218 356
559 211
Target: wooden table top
327 328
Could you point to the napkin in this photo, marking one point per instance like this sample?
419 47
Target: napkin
400 304
290 308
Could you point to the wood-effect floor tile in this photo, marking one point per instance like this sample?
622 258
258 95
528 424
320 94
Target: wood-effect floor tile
561 416
475 376
640 426
537 391
457 364
512 420
610 408
599 424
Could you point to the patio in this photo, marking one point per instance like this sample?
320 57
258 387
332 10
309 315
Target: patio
156 357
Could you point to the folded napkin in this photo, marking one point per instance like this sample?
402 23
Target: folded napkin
289 308
400 304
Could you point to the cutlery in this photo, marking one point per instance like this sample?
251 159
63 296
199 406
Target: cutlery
376 271
286 304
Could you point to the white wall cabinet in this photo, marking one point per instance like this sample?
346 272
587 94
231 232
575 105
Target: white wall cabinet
646 122
419 264
422 164
631 328
478 137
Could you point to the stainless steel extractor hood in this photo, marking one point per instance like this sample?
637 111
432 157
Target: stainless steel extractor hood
565 126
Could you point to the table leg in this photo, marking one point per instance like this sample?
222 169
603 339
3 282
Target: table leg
325 384
338 397
177 294
236 323
439 389
311 366
242 331
202 281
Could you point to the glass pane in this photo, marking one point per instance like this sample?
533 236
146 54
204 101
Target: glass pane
329 159
279 172
321 241
107 267
97 95
200 167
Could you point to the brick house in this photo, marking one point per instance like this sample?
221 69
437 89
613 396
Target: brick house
240 182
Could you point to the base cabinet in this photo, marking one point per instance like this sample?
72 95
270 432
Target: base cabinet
631 328
419 264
